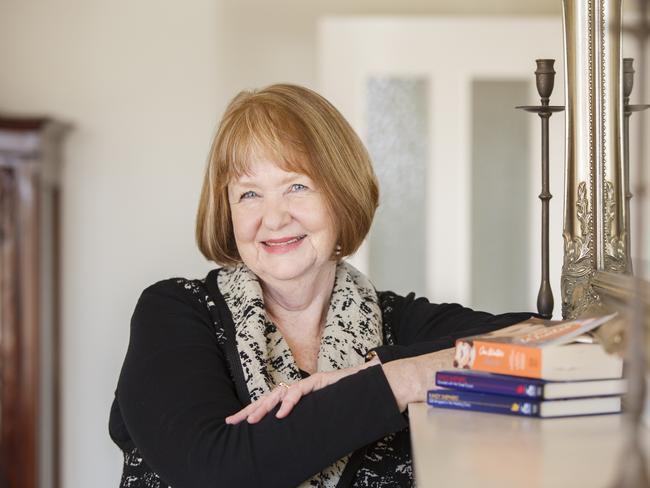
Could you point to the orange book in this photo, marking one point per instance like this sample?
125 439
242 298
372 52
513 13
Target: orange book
535 348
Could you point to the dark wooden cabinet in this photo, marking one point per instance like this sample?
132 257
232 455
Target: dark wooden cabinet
29 302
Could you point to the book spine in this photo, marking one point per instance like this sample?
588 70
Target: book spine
494 385
482 403
499 357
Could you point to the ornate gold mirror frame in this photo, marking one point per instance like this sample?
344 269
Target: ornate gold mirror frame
596 198
595 234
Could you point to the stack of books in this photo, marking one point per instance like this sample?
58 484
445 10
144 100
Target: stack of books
536 368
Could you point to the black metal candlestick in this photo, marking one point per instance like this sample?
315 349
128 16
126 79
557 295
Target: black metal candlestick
628 109
544 80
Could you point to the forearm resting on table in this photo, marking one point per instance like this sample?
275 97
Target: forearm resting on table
410 378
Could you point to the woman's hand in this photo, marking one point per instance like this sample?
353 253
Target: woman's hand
411 378
290 395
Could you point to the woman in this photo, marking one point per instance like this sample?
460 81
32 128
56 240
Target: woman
284 367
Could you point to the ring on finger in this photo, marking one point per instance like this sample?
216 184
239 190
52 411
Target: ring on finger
282 384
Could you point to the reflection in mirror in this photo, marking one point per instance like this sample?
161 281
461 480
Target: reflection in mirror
637 142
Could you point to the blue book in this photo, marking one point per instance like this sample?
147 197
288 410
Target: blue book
499 384
483 402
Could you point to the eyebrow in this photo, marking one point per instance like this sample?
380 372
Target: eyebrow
245 180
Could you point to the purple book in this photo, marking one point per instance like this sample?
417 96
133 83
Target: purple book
483 402
515 386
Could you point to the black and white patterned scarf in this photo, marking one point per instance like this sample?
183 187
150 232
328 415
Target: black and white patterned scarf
353 326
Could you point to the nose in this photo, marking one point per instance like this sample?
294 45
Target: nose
276 213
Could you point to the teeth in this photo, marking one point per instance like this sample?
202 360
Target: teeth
290 241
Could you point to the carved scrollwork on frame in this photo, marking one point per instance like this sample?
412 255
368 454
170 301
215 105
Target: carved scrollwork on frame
615 252
578 270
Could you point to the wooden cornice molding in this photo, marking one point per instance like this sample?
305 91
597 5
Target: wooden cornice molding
22 124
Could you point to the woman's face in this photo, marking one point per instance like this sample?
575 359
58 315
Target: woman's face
281 223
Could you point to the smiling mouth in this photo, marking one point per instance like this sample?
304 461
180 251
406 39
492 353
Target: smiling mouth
283 242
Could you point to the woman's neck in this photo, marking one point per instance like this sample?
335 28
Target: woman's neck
300 307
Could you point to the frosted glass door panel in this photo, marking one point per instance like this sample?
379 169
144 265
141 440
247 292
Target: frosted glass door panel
397 141
500 195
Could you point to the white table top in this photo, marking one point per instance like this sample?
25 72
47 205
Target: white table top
453 448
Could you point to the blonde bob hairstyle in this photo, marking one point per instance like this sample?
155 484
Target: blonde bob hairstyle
303 133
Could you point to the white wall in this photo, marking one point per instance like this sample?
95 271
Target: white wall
277 41
139 82
143 83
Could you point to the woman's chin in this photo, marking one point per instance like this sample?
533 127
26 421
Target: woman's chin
288 269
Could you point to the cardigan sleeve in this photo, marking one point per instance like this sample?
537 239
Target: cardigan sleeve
420 327
175 391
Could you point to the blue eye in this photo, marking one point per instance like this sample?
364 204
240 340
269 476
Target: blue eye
298 187
248 194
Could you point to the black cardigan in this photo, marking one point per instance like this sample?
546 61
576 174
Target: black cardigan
181 377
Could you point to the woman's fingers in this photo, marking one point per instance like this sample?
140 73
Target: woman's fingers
293 396
256 411
242 414
245 412
308 385
267 404
303 387
288 396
